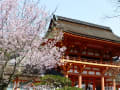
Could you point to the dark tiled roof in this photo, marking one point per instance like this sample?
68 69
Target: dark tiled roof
83 22
92 31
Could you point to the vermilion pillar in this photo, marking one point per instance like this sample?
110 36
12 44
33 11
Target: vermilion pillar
93 84
80 81
102 83
114 84
73 83
66 75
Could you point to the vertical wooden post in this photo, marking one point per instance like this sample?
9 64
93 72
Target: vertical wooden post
114 84
66 75
16 84
16 87
102 83
73 83
93 84
66 71
80 81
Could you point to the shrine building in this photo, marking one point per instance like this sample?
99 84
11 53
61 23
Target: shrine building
91 59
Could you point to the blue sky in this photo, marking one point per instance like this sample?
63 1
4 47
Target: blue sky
93 11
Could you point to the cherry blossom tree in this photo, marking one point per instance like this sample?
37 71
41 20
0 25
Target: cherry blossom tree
22 43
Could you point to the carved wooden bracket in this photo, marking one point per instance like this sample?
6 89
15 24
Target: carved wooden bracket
104 71
80 68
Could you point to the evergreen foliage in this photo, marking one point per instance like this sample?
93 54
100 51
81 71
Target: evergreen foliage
54 80
69 88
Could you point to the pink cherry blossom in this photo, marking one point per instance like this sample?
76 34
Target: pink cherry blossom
22 27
